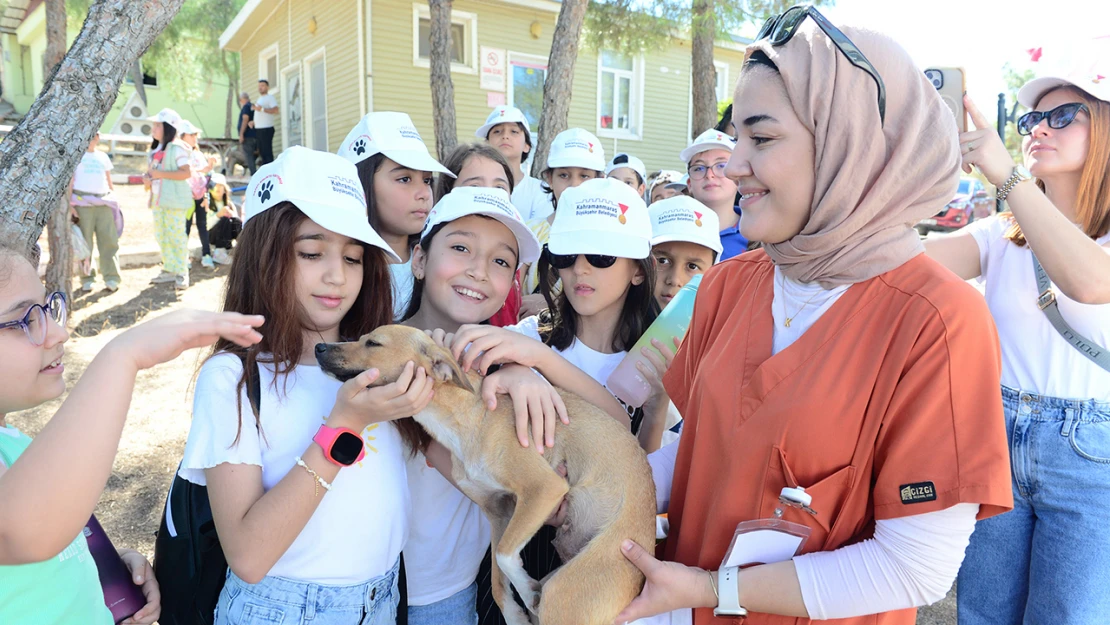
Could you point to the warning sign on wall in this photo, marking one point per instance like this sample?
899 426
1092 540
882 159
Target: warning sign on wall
492 68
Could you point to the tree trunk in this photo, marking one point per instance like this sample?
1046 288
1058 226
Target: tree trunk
702 71
137 78
59 273
443 90
560 78
232 100
38 157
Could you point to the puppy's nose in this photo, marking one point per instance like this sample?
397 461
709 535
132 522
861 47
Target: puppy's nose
321 348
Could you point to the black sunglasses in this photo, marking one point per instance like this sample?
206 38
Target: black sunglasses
566 261
781 29
1058 117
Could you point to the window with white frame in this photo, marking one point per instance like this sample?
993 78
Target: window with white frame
619 101
464 39
268 67
724 89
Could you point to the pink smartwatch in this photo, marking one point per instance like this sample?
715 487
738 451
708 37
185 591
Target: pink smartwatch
342 446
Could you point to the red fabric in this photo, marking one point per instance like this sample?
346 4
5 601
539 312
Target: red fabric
508 314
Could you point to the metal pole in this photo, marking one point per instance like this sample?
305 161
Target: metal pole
1001 133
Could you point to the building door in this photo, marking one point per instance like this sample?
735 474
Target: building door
318 103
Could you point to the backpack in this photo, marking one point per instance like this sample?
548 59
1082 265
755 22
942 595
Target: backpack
188 561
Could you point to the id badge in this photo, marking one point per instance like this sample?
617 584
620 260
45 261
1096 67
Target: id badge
766 541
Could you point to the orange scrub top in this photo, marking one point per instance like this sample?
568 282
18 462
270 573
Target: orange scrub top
888 406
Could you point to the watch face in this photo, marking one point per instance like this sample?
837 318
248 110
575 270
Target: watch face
346 448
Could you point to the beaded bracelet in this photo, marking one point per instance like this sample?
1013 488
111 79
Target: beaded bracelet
316 476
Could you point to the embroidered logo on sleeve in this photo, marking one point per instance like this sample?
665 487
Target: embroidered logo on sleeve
918 493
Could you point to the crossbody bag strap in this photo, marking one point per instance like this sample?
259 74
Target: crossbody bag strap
1046 301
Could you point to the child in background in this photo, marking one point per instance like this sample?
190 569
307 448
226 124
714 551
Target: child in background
171 198
200 168
667 183
506 129
685 242
49 486
98 213
229 220
395 169
705 160
629 170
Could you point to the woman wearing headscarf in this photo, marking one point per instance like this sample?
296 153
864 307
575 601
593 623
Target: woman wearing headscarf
839 358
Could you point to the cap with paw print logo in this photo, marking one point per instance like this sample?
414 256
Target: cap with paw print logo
324 186
395 136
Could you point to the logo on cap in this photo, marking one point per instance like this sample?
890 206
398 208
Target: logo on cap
265 188
624 209
501 113
409 132
592 151
1097 79
359 146
697 220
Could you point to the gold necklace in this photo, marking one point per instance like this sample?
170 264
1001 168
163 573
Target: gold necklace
788 319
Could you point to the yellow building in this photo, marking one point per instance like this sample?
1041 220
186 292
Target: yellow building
330 62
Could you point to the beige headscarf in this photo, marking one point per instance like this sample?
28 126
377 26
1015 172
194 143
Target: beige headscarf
873 183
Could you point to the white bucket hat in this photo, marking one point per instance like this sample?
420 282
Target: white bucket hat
187 128
709 140
682 218
495 203
601 216
219 178
629 161
391 134
323 186
503 115
1094 84
167 116
575 147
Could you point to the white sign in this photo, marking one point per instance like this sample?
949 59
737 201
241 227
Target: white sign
493 68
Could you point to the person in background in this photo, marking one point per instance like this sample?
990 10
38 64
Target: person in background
629 170
170 196
706 159
666 183
200 166
265 115
229 220
506 129
685 242
725 125
246 131
98 213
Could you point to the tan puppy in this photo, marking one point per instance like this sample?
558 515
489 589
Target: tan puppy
609 489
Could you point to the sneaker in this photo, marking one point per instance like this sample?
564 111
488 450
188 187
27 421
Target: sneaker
112 285
181 281
86 287
221 257
163 278
207 263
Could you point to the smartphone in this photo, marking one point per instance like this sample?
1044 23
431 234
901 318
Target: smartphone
951 83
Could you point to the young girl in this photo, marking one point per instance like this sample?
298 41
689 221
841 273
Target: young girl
506 129
49 486
471 246
575 157
98 213
705 161
200 167
666 183
684 243
170 197
229 220
395 169
309 494
629 170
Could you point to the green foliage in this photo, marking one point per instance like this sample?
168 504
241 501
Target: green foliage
1014 80
722 105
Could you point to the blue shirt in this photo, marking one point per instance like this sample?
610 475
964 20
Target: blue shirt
249 112
733 242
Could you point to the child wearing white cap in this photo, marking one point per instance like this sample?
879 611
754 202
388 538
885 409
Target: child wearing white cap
685 242
200 166
396 173
629 170
171 197
667 183
705 160
306 506
506 129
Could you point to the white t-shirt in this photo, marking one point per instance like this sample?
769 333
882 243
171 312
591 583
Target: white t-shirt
401 278
803 303
596 364
448 536
91 173
357 532
1035 357
263 119
531 200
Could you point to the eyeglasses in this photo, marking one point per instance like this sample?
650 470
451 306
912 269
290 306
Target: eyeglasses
34 322
566 261
1058 117
697 172
781 29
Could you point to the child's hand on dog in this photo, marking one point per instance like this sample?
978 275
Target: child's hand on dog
535 402
358 405
164 338
669 586
481 346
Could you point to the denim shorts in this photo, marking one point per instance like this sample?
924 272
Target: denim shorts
458 609
282 601
1047 560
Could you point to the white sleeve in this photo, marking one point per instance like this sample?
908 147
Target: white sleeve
105 161
529 326
911 561
662 462
986 233
216 422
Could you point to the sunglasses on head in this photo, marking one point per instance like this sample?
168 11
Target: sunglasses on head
566 261
1058 117
781 28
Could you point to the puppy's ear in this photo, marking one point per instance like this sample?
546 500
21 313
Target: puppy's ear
444 368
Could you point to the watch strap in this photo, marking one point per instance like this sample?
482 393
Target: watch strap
326 436
729 599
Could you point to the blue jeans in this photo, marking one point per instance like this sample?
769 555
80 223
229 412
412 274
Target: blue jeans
1048 560
458 609
281 601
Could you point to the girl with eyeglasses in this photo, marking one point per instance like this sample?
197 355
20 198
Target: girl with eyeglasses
1047 560
49 486
705 161
839 358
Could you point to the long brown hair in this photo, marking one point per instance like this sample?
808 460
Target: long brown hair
261 281
1092 202
457 159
